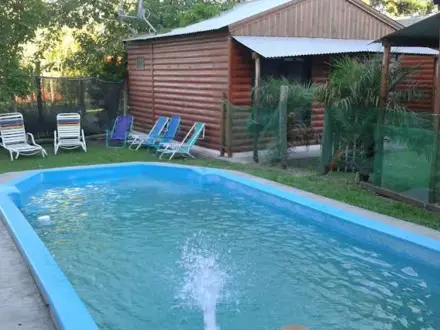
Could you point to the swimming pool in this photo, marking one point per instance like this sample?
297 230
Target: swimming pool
151 246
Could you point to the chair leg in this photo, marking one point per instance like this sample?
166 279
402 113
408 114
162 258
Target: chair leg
172 155
11 155
133 144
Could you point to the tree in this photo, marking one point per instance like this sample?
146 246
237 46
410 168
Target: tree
19 20
403 7
99 34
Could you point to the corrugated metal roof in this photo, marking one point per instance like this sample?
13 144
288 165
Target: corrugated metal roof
422 33
407 21
270 47
234 15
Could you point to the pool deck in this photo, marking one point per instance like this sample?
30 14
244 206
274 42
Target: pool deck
22 306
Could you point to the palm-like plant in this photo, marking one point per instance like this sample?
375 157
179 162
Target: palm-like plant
352 97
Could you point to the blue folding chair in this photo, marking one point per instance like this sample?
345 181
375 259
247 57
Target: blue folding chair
170 133
155 133
118 136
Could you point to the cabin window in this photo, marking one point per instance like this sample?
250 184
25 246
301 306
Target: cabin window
140 64
294 69
298 69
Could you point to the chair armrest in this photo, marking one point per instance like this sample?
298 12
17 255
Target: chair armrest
31 136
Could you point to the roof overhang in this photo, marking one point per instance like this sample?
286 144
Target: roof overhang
424 33
273 47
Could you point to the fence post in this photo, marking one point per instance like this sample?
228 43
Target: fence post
82 97
14 103
327 142
125 97
39 93
282 138
222 126
434 178
256 57
229 129
378 143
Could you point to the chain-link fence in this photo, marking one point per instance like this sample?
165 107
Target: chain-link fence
98 102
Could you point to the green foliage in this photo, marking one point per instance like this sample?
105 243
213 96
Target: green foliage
403 7
352 97
19 20
197 11
266 100
98 33
354 84
264 122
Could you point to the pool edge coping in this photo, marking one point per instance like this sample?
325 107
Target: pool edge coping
284 191
409 232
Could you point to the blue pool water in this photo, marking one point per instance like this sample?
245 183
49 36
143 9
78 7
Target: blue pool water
170 253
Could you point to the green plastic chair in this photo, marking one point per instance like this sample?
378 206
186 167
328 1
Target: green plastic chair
183 148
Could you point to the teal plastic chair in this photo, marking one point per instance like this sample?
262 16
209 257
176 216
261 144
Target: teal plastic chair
183 148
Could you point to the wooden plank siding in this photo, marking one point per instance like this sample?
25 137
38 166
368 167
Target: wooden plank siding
242 73
184 76
341 19
320 73
140 85
423 78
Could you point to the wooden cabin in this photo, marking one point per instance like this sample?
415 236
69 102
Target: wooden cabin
189 71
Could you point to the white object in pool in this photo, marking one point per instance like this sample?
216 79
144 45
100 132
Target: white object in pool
44 220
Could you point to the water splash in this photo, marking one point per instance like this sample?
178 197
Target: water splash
204 281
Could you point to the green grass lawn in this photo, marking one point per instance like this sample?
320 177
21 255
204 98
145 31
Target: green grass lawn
404 170
338 186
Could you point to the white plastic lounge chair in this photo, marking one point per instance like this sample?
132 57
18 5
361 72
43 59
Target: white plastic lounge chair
69 134
184 148
15 139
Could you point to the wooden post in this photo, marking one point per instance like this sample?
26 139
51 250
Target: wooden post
435 159
229 129
52 91
39 93
223 126
327 143
14 104
125 97
282 142
378 154
82 97
257 85
229 99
